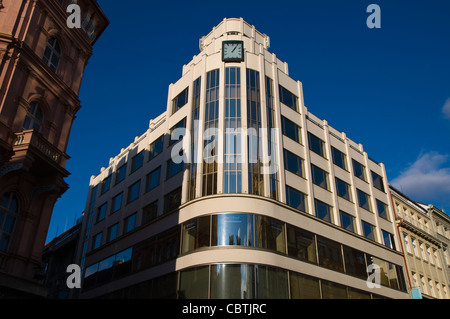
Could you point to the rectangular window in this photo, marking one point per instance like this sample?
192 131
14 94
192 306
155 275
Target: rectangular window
364 200
293 163
156 147
270 234
172 200
355 262
339 158
319 177
295 199
150 212
316 145
323 211
194 283
304 287
288 99
173 168
347 221
359 170
301 244
121 173
137 162
388 239
196 234
272 142
153 179
102 212
177 132
331 290
112 232
290 129
382 209
192 181
343 189
97 241
330 254
377 181
129 223
116 203
106 185
133 191
180 100
368 231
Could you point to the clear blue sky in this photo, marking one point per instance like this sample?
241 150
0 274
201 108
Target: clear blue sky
387 88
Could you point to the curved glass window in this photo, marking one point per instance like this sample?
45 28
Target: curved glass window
270 234
9 209
233 281
233 229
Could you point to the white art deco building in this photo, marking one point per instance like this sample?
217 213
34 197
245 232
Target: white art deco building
299 213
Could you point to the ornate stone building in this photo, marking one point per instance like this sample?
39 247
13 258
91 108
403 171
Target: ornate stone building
42 62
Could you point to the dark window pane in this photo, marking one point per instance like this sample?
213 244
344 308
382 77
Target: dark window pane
196 234
150 212
133 191
230 281
301 244
156 147
368 230
343 189
377 181
137 161
323 211
272 283
364 200
293 163
339 158
347 221
180 100
172 200
355 262
121 173
330 254
382 210
319 177
117 202
102 212
270 234
316 145
295 199
288 99
153 179
194 283
330 290
359 170
290 129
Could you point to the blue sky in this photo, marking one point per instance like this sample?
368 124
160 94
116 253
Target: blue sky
387 88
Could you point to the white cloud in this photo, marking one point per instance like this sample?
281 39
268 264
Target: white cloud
446 109
427 180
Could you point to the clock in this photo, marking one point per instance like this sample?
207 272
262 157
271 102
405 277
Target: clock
232 51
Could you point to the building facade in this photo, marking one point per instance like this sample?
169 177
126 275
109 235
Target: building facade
42 63
238 191
423 249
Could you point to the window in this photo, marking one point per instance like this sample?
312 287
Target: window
359 170
233 230
133 191
388 239
430 256
129 223
355 262
364 200
150 212
272 142
196 234
270 234
406 240
319 177
330 254
117 203
102 212
34 118
156 147
121 173
153 179
343 189
177 132
377 181
52 54
339 158
106 184
112 232
173 168
438 263
180 100
293 163
347 221
368 231
172 200
233 281
331 290
290 129
195 115
323 211
288 99
422 251
272 282
9 211
416 252
382 209
137 162
97 241
304 287
296 199
194 283
232 153
316 145
301 244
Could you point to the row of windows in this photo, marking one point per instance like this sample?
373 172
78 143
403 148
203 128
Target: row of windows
171 202
268 233
426 252
297 200
433 290
242 230
238 281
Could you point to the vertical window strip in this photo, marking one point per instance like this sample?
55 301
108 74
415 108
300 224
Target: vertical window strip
232 167
255 178
194 138
274 194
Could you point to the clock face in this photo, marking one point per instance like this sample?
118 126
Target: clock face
233 51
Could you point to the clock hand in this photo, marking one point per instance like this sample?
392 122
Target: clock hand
234 49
